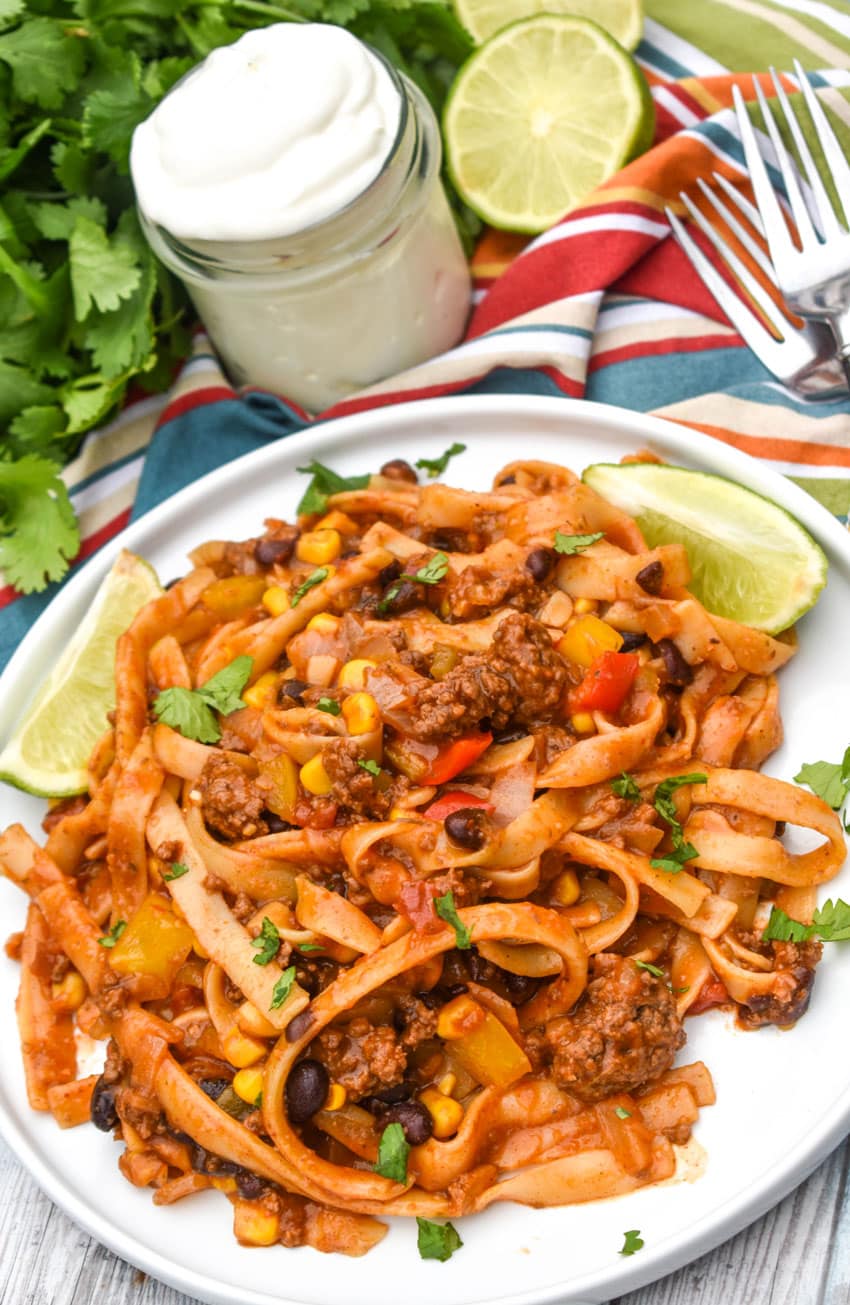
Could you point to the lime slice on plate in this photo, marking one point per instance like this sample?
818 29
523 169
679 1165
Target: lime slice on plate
622 19
48 752
751 560
541 115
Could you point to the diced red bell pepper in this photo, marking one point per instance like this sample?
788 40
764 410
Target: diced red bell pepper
455 800
416 901
606 684
712 993
455 757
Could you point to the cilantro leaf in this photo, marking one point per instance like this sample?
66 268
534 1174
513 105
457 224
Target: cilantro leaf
103 271
223 689
664 805
434 570
177 871
111 116
282 988
675 862
330 705
828 780
38 532
831 922
571 544
325 482
267 942
436 1241
369 765
184 710
55 220
315 578
633 1242
436 466
650 969
43 59
393 1151
446 909
622 1114
111 938
310 947
781 928
625 787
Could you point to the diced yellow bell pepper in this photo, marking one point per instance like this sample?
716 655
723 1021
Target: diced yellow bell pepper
315 778
276 600
262 694
242 1051
587 638
361 713
481 1044
280 790
318 546
253 1022
155 941
229 597
353 673
337 520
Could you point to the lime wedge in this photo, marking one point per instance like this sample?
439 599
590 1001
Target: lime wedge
751 560
48 752
622 19
541 115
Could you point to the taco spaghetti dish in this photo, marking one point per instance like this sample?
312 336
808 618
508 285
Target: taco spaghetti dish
419 829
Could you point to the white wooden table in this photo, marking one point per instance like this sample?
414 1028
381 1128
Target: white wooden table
798 1254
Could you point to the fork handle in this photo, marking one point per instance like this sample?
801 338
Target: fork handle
840 326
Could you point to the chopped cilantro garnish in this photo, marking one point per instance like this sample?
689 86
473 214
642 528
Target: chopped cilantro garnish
446 909
191 711
282 988
267 942
650 969
177 871
570 544
325 482
436 1241
633 1242
829 780
314 578
371 766
330 705
622 1114
392 1154
436 466
625 787
310 947
831 922
434 570
111 938
664 805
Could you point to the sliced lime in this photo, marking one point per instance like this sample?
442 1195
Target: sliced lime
48 752
751 560
541 115
622 19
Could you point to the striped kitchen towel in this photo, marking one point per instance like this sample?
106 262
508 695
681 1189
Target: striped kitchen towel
595 308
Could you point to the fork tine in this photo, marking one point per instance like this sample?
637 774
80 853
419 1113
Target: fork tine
835 160
823 207
737 267
775 229
748 326
806 231
752 247
741 202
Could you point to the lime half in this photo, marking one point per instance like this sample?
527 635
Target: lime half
622 19
751 560
541 115
47 754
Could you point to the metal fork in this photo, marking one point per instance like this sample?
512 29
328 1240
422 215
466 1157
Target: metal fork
803 358
814 278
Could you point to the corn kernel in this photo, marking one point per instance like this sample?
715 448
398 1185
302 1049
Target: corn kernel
361 713
337 520
583 723
336 1098
242 1051
587 638
583 606
69 993
353 674
324 622
446 1113
565 890
254 1226
227 1183
253 1022
262 693
401 813
248 1084
314 777
319 546
447 1084
276 600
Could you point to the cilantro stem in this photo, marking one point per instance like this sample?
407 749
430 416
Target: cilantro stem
274 11
28 286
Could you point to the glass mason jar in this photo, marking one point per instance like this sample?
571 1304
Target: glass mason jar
375 288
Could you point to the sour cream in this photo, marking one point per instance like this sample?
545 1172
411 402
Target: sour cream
292 182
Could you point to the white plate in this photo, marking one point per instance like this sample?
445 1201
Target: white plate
775 1118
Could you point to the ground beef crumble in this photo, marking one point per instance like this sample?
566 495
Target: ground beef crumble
364 1057
477 591
794 967
231 802
353 786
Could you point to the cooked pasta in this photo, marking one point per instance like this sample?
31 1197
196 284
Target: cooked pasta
418 830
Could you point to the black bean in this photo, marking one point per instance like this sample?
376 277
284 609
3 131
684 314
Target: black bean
467 828
390 572
416 1122
678 670
539 563
651 577
780 828
250 1187
632 639
299 1025
510 735
103 1113
275 823
398 469
450 541
271 551
291 689
214 1086
306 1090
506 480
519 987
379 1102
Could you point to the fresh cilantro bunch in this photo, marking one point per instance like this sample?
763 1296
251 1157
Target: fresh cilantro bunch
85 309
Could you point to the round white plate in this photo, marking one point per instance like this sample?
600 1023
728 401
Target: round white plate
775 1118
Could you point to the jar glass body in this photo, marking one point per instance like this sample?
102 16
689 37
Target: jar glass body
372 290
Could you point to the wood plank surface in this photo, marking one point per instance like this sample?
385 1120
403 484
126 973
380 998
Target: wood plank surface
798 1254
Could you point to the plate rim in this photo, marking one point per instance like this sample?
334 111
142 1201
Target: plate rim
724 459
